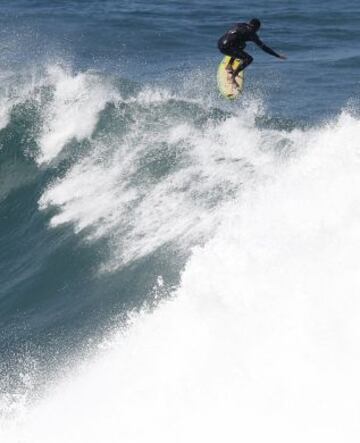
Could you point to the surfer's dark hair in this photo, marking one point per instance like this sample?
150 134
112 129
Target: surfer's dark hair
255 23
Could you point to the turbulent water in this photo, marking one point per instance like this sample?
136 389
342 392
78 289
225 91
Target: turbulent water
174 267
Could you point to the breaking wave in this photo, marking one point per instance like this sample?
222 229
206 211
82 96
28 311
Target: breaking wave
258 337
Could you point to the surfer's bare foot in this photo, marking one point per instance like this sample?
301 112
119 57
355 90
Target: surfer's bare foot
230 73
234 82
230 76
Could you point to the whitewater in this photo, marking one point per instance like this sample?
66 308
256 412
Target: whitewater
258 338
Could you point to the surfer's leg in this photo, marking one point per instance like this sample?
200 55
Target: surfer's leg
226 50
229 67
246 60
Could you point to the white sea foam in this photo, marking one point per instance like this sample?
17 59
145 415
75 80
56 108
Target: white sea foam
261 340
5 107
112 193
73 111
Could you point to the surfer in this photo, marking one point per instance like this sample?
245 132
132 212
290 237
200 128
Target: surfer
234 41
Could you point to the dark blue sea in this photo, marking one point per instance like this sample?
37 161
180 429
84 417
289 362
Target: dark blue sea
175 267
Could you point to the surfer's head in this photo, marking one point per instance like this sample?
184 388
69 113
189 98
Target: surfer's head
255 24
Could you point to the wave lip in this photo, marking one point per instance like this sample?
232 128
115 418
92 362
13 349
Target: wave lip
73 111
161 177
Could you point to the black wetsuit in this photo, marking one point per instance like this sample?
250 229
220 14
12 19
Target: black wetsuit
234 41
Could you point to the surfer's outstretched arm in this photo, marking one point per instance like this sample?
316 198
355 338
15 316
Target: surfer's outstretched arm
267 49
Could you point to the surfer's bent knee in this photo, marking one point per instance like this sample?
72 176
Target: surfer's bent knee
248 60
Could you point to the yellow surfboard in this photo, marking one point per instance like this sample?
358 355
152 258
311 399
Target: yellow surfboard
225 84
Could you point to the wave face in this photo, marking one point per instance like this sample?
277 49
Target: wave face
174 267
103 182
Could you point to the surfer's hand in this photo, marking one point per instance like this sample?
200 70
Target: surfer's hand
282 57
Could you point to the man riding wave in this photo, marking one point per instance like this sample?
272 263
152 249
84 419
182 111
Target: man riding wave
234 41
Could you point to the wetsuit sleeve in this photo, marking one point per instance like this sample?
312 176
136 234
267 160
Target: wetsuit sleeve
265 48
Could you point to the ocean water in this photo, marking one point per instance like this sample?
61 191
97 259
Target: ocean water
175 267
